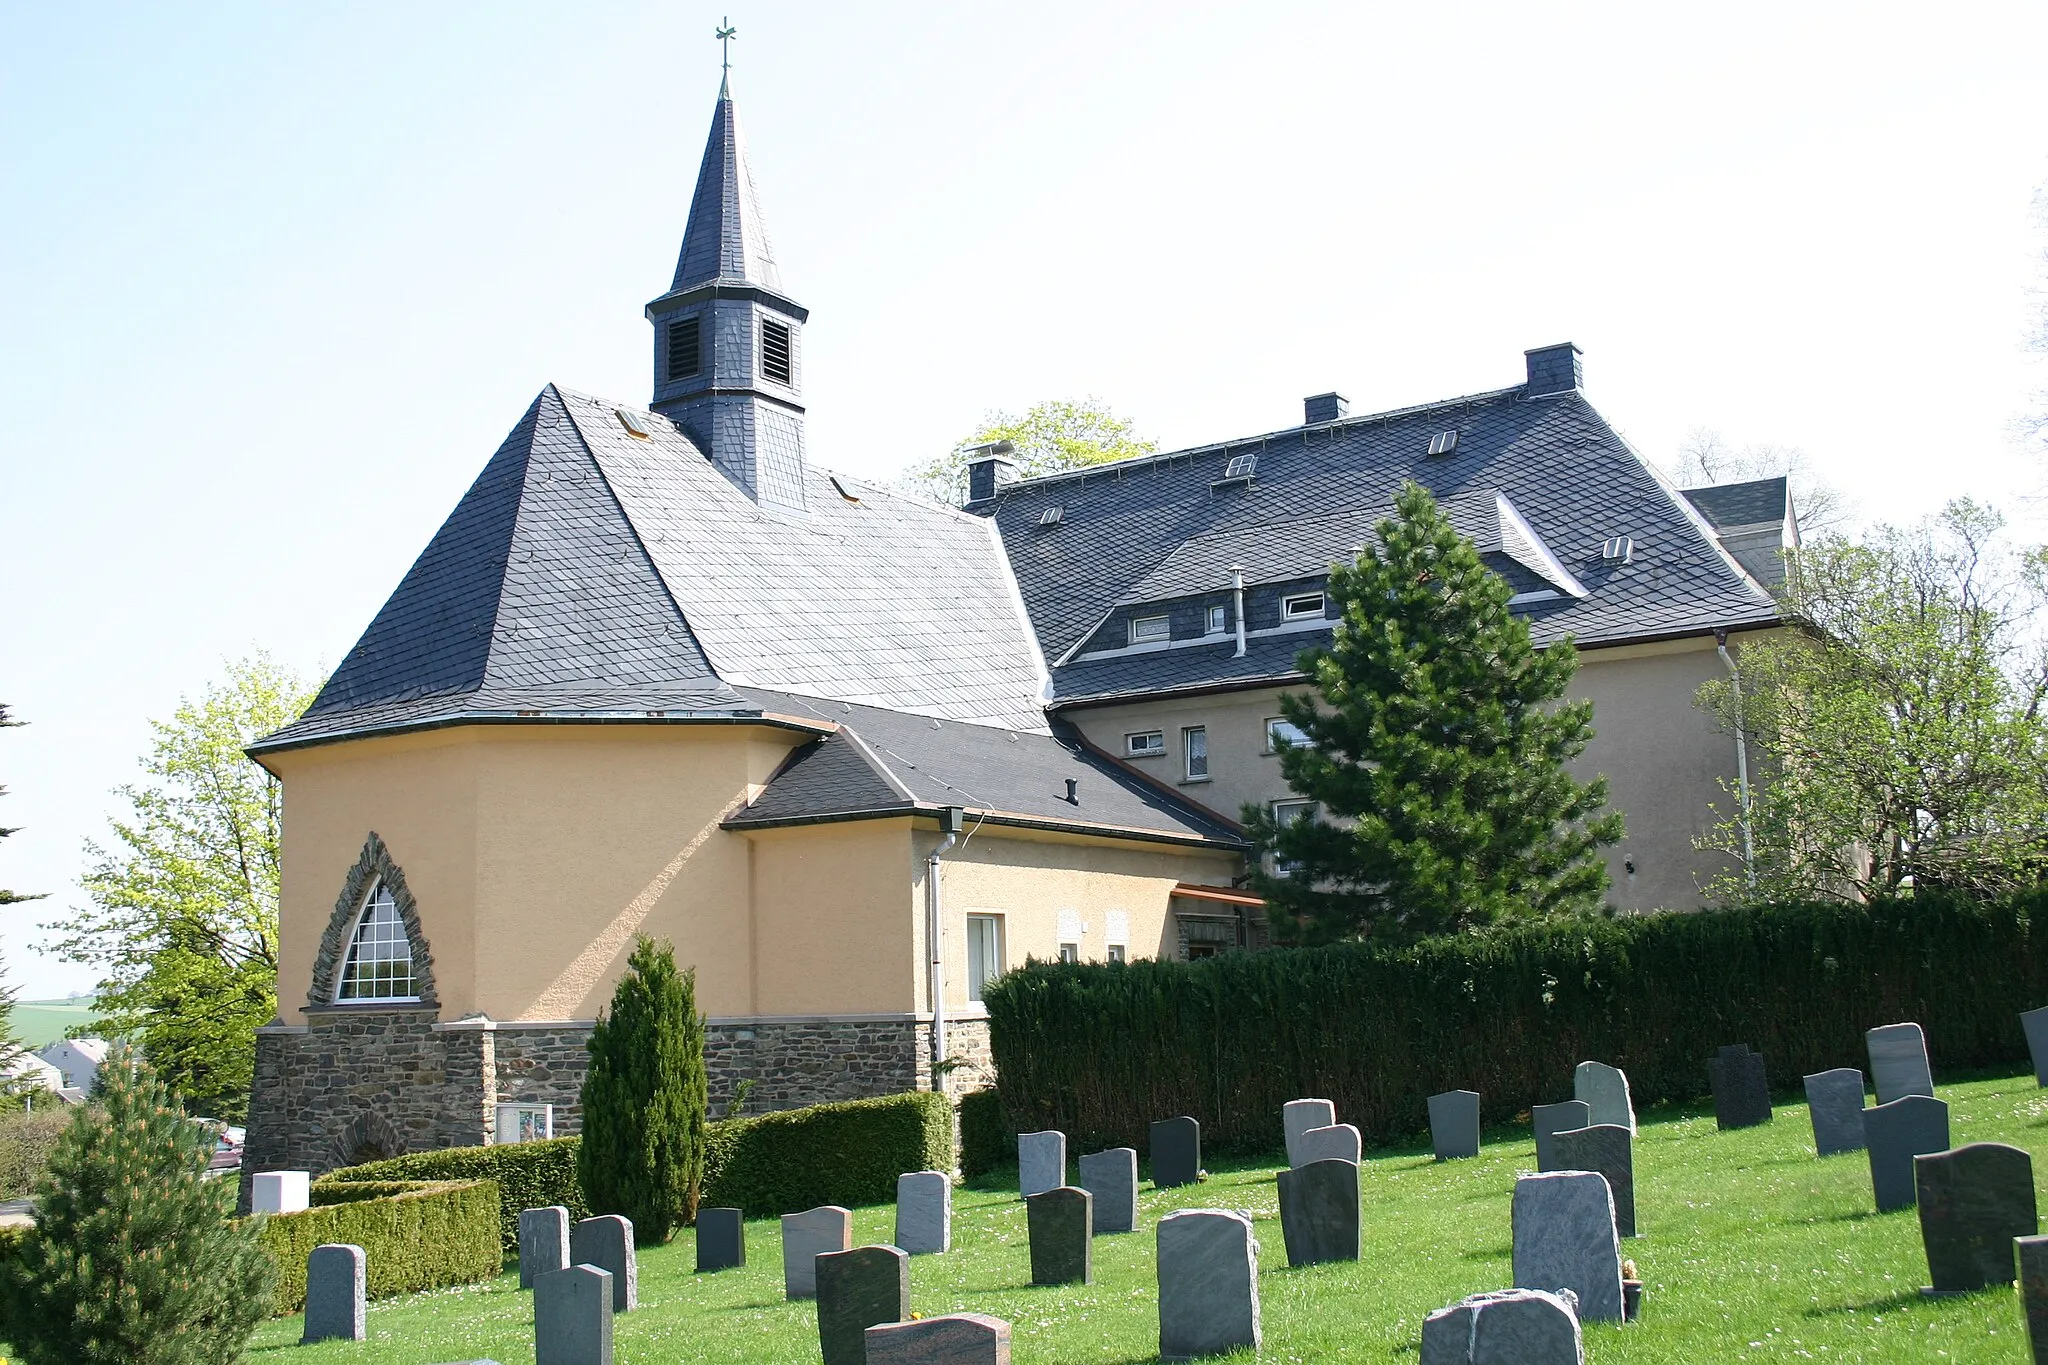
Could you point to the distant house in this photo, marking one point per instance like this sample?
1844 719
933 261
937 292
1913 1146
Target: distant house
26 1071
78 1059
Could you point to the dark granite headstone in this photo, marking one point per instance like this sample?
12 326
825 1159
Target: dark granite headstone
606 1242
2033 1257
1565 1239
1062 1231
2035 1022
1319 1212
1973 1202
1742 1093
1208 1268
721 1239
1111 1177
1834 1100
1176 1152
856 1290
1898 1062
543 1242
1895 1133
1607 1149
949 1339
1551 1119
1507 1327
572 1317
1454 1124
335 1282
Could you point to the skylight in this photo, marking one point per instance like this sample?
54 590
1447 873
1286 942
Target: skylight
1443 443
845 489
1619 550
1052 516
634 422
1241 466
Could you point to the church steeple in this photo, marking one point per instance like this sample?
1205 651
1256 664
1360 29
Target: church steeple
728 344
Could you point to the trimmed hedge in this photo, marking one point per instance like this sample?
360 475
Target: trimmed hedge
988 1141
414 1234
1099 1051
529 1175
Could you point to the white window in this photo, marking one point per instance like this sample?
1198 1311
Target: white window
1302 607
525 1122
1287 813
1070 952
1194 748
1147 629
1215 623
1150 744
379 962
1116 953
984 952
1282 733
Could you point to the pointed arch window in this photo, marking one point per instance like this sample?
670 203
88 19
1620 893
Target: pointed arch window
379 965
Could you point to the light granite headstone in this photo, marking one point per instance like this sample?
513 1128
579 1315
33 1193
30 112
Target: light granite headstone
1319 1212
335 1282
1551 1119
606 1242
1061 1225
1895 1133
1454 1124
543 1242
1742 1092
1208 1263
1605 1088
279 1192
924 1212
1508 1327
721 1239
951 1339
1176 1149
1898 1062
805 1236
1298 1116
1338 1142
2035 1022
1111 1177
1565 1239
2033 1258
1041 1162
1607 1149
1974 1202
858 1289
572 1317
1834 1100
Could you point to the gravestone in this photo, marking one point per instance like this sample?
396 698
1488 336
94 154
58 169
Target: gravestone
1508 1327
1298 1116
950 1339
543 1242
1319 1212
279 1192
1742 1092
1208 1264
1605 1088
1974 1203
1061 1226
2035 1022
1454 1124
856 1290
924 1212
607 1243
1111 1179
1606 1149
1041 1162
1898 1062
1834 1100
1176 1149
1338 1142
2033 1257
334 1294
1895 1133
721 1239
1551 1119
805 1236
1565 1239
572 1317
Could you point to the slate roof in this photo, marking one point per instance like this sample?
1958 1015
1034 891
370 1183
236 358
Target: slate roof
727 238
882 762
1553 458
1757 502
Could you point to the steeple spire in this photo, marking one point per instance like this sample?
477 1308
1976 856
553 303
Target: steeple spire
727 238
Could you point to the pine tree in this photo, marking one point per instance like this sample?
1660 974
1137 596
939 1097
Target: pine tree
645 1098
12 897
135 1259
1435 751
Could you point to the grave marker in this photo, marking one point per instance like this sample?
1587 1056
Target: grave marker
1298 1116
1176 1149
334 1294
1974 1203
1319 1212
572 1317
1111 1178
2033 1258
607 1243
1454 1124
1509 1327
1565 1239
1898 1062
1895 1133
2035 1022
1208 1265
1742 1092
543 1242
1608 1150
721 1239
1338 1142
858 1289
1041 1162
924 1212
951 1339
1061 1227
1605 1089
1551 1119
1834 1100
806 1236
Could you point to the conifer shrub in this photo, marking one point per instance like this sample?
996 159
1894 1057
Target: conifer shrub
415 1235
646 1098
135 1259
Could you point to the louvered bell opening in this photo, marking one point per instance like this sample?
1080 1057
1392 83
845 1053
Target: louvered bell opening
685 348
775 352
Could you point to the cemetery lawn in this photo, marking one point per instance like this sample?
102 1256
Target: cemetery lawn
1753 1250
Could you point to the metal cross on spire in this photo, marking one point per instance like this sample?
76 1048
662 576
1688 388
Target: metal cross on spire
725 33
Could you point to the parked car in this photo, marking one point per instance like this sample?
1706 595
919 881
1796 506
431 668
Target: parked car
227 1144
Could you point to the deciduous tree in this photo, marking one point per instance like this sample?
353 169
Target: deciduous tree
1060 433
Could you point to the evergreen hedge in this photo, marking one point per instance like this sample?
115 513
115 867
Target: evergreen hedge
414 1234
1100 1050
529 1175
988 1141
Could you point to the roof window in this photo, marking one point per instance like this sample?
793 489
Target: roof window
1240 468
1304 606
1052 516
845 489
775 352
1619 550
633 422
685 348
1443 443
1147 630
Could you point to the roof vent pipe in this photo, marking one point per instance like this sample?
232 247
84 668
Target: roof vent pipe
1073 792
1237 605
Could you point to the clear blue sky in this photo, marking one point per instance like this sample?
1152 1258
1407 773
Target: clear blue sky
276 279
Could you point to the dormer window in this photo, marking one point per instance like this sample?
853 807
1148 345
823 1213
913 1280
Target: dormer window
1214 622
1306 606
1147 630
685 348
775 352
379 966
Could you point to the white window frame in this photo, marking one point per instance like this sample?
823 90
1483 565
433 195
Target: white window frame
1187 753
505 1127
1155 749
1216 620
974 977
348 956
1275 741
1117 952
1302 606
1070 952
1304 810
1151 630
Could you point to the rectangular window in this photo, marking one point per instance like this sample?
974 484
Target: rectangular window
984 952
1146 629
1287 813
525 1123
1282 733
775 351
1116 953
1070 952
1194 748
1215 622
1305 606
1149 744
685 348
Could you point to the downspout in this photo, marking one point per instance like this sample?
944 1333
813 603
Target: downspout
1237 605
951 821
1741 760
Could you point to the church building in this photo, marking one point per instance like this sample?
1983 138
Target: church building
857 754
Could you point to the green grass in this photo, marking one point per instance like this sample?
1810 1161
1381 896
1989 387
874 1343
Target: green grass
39 1023
1753 1250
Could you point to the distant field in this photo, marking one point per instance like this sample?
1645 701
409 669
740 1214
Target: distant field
38 1023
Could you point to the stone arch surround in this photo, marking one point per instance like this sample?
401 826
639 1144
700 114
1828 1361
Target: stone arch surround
375 864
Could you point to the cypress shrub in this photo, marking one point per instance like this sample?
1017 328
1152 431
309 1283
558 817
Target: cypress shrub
414 1234
529 1175
1099 1051
645 1099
